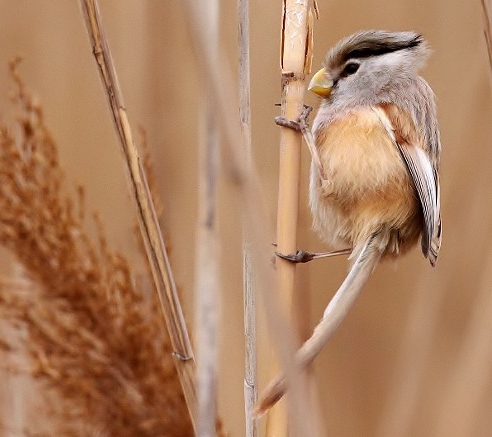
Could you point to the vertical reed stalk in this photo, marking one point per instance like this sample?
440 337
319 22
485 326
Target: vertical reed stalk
255 217
207 268
140 194
295 62
249 292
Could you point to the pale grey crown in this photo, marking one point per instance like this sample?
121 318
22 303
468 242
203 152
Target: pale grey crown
369 67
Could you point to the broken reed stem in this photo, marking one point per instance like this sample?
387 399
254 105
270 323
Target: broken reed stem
249 292
207 294
296 52
148 223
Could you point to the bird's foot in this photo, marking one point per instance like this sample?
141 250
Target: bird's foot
302 256
299 126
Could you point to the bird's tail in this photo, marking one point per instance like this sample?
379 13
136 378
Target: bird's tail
367 259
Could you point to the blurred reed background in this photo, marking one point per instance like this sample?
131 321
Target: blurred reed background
414 355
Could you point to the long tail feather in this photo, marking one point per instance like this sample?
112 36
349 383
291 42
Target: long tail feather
335 312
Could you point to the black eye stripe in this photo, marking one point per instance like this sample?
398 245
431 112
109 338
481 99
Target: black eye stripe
377 48
368 44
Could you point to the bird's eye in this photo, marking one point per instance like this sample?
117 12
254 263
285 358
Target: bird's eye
350 68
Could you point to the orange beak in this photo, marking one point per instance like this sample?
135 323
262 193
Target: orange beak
320 84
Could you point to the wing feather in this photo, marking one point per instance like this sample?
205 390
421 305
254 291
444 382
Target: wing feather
426 182
423 173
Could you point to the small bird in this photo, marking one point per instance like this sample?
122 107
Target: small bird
377 137
374 184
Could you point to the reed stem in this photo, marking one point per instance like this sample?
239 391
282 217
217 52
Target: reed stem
144 206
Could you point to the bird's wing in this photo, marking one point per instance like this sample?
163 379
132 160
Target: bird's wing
423 173
426 182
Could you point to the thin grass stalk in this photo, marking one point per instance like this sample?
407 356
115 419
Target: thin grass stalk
147 218
487 28
207 285
250 340
255 217
207 269
295 63
249 292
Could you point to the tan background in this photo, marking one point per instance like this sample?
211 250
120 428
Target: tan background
414 356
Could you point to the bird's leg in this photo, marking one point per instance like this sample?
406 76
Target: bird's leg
302 256
303 126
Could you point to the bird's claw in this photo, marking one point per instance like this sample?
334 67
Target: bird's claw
291 124
301 256
298 126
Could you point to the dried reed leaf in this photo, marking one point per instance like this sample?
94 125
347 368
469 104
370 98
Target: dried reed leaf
94 335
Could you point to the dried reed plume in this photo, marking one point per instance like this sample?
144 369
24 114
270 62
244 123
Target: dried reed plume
94 336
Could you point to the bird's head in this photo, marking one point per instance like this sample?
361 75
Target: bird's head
368 67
